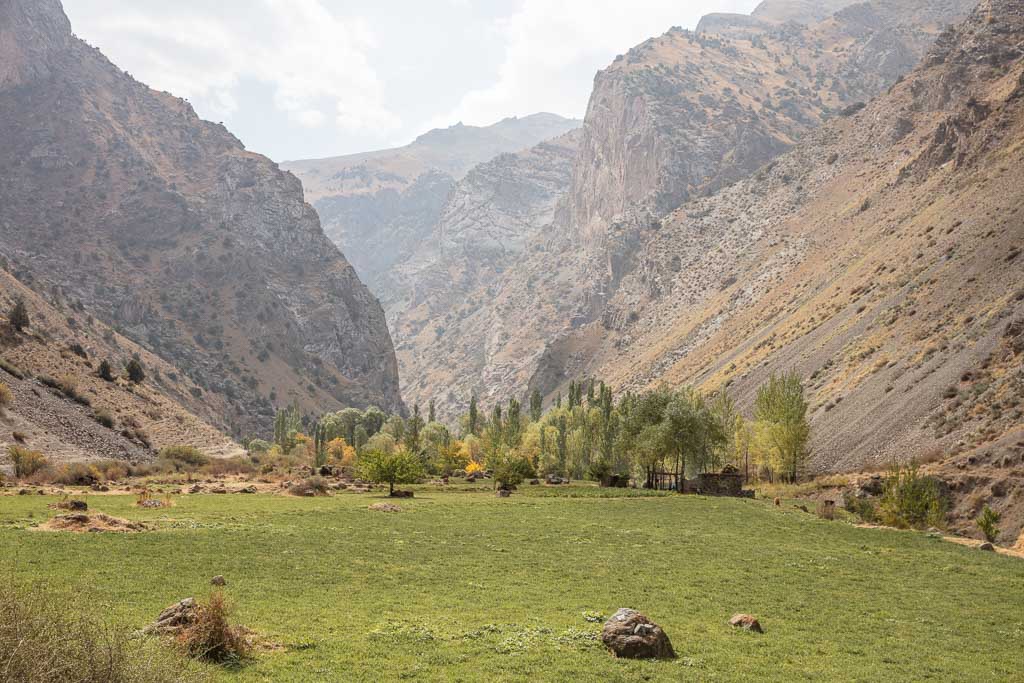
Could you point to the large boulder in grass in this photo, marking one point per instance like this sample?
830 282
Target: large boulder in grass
175 618
631 635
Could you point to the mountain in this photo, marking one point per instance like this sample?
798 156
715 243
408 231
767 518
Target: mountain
52 372
682 116
121 199
880 259
379 206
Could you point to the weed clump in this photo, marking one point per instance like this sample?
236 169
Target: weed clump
211 637
26 462
42 640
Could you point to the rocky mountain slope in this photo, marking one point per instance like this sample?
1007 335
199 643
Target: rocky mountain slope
64 347
881 259
679 117
163 225
379 206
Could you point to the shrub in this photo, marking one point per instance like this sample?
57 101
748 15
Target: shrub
18 315
106 372
6 397
862 508
104 417
44 640
258 446
182 458
211 637
988 523
136 373
11 369
314 486
912 500
75 474
223 466
26 462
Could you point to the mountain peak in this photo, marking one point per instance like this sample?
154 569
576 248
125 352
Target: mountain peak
32 32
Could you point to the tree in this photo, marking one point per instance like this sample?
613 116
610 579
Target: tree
320 440
398 466
536 405
782 409
136 373
18 315
988 523
373 420
412 430
474 415
513 429
286 425
106 372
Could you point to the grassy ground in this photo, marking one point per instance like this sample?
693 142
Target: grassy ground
467 587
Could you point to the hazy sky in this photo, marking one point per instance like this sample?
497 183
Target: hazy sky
311 78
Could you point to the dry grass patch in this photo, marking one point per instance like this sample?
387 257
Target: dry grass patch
96 522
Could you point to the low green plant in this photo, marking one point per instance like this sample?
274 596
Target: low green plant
182 458
26 462
988 523
912 500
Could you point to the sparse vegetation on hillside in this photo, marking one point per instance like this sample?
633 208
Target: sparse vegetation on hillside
26 462
18 317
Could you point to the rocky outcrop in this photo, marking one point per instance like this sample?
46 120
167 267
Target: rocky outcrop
879 259
379 207
680 117
162 224
630 635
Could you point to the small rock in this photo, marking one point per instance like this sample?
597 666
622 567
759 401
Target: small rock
747 622
987 546
631 635
503 493
218 581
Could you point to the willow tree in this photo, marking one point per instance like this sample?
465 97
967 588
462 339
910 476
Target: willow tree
781 411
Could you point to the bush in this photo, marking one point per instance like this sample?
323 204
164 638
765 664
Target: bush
106 372
136 373
314 486
182 458
12 369
18 315
43 640
988 523
211 637
258 446
26 462
6 397
224 466
862 508
911 500
104 418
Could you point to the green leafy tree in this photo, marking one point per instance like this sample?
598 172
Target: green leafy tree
412 431
397 466
536 405
512 431
474 415
287 424
781 409
373 420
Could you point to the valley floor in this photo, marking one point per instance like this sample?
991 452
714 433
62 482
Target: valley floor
463 586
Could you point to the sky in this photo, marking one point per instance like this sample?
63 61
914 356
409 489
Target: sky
298 79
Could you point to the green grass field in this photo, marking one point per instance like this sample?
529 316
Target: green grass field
468 587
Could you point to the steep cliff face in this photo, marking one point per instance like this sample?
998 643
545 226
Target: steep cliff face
492 219
163 225
880 259
380 206
679 117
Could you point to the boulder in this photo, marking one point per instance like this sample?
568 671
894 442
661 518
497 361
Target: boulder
174 618
747 622
987 546
218 581
631 635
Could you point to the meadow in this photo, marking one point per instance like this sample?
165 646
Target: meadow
463 586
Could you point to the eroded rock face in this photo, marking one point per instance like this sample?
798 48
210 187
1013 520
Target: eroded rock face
631 635
165 226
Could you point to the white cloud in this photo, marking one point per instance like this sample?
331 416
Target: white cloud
314 60
554 49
